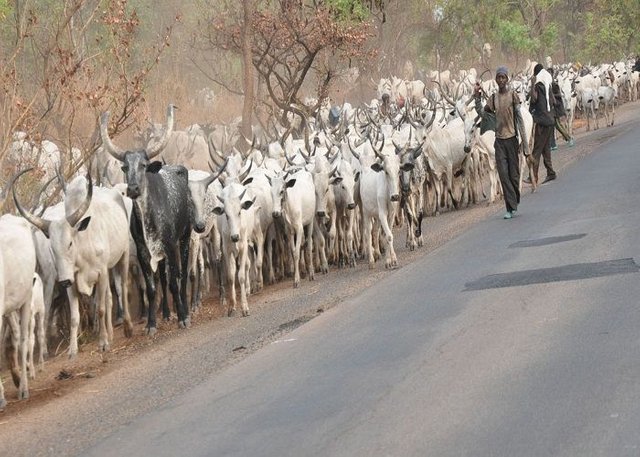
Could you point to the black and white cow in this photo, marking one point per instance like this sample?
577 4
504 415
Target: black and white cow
162 216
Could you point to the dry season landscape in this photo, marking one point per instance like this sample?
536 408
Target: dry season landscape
104 391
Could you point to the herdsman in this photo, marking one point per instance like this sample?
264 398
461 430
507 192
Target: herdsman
542 110
504 107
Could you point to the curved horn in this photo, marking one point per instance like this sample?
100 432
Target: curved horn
215 156
162 142
286 156
433 118
444 94
215 173
242 176
111 148
379 151
37 199
353 151
38 222
75 217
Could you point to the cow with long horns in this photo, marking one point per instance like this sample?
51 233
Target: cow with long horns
89 241
162 216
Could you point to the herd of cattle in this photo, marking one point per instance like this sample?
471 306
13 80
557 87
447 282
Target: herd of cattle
285 207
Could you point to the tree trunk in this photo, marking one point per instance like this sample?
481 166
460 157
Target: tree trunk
248 79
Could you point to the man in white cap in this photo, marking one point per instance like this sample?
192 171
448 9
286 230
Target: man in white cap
505 107
540 106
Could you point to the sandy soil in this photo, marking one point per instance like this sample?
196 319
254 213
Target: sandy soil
75 402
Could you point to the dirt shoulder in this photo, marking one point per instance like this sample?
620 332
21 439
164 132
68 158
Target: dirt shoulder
75 403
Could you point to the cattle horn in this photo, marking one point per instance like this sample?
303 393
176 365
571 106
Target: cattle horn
38 222
111 148
215 173
75 217
353 151
242 176
155 149
444 95
215 156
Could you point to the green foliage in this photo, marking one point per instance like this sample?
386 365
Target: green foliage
603 34
514 37
348 10
5 9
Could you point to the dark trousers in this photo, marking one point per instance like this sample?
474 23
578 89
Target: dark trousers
542 147
508 164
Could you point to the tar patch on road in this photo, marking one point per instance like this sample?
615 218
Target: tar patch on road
554 274
546 241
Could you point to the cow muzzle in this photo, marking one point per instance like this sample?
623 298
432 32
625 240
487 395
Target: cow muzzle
351 206
133 192
467 149
276 214
66 283
395 197
199 227
321 213
235 238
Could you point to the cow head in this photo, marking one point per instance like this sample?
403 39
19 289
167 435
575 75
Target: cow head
135 164
63 233
233 202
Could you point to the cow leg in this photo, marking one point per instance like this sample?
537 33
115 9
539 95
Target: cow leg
162 275
25 320
74 320
368 241
13 328
317 231
122 267
184 278
310 269
243 277
3 402
295 243
271 277
102 294
231 278
42 339
391 260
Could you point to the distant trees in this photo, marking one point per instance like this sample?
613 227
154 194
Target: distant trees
61 63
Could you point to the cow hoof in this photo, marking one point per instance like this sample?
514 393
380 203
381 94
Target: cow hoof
23 394
185 323
72 356
3 404
245 313
128 329
104 347
151 331
296 284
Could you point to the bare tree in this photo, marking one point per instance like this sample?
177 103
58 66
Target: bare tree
61 71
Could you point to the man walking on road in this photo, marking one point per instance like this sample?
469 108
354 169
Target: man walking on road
541 107
505 107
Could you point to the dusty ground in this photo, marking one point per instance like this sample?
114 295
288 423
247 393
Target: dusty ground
75 402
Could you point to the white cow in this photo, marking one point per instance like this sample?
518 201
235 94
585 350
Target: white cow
236 221
90 240
380 194
294 200
17 267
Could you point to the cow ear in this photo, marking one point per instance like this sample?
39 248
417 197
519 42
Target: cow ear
247 181
377 167
247 203
336 180
291 182
154 167
84 223
218 211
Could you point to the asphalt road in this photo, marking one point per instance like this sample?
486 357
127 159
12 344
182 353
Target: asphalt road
519 338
